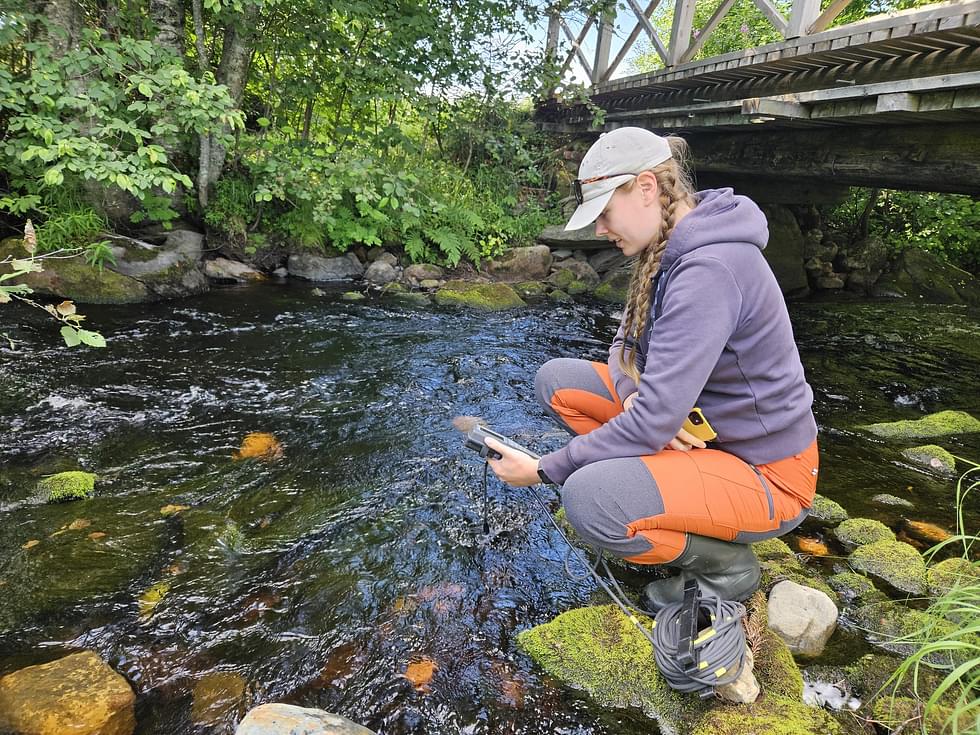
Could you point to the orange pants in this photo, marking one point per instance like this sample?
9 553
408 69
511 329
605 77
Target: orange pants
641 508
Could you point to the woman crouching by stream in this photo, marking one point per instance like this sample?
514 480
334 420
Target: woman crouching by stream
705 325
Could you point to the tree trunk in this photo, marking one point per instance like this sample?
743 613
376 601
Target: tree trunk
65 24
233 73
168 18
307 119
204 139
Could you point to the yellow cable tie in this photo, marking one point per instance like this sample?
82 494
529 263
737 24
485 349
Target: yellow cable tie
705 635
720 672
703 665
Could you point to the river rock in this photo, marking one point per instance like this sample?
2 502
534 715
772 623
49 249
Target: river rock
778 562
598 650
72 485
825 512
607 260
561 254
943 423
614 287
922 275
891 500
894 562
287 719
380 272
583 239
218 698
318 268
933 457
419 272
745 689
430 283
785 251
522 264
281 272
485 296
73 278
855 588
803 617
170 270
579 270
856 532
225 269
77 694
943 576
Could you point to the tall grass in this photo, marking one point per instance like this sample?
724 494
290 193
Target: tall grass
956 700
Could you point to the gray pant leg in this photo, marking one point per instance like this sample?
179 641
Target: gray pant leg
601 498
567 372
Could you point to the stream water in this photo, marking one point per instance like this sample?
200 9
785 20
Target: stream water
317 578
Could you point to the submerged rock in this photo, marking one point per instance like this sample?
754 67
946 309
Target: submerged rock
892 500
803 617
74 485
895 628
287 719
855 588
856 532
486 296
943 423
218 698
895 562
932 457
77 694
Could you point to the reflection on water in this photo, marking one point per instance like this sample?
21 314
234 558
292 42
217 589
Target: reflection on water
319 577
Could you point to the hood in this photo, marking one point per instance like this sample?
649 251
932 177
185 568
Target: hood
721 216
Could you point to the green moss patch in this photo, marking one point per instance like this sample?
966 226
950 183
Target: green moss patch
531 290
944 423
612 291
598 650
485 296
778 563
825 512
895 562
941 577
932 457
855 588
75 485
856 532
896 628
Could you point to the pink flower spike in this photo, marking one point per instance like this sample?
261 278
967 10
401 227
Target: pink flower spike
744 28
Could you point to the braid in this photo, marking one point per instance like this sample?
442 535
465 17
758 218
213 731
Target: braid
674 187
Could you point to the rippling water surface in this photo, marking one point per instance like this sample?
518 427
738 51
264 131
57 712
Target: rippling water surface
318 578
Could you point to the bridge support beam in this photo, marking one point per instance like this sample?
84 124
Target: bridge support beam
913 157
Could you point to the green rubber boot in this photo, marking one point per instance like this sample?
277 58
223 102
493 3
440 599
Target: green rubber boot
723 569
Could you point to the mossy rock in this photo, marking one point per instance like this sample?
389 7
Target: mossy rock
74 485
614 289
826 512
944 423
394 287
353 296
855 588
563 279
559 296
895 562
932 457
779 563
485 296
73 278
941 577
856 532
598 650
892 712
892 501
895 628
531 290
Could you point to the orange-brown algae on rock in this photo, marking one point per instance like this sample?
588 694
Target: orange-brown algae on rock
924 531
260 445
78 694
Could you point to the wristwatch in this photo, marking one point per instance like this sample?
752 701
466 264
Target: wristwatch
544 478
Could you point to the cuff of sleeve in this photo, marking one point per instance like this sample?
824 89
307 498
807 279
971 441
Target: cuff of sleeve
558 465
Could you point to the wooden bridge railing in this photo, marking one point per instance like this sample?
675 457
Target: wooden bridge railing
682 45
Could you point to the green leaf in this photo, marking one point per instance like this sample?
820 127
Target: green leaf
92 339
145 89
263 122
71 335
53 176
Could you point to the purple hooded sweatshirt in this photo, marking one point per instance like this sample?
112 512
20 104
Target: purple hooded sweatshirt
718 337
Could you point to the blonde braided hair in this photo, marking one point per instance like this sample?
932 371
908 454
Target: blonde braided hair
675 187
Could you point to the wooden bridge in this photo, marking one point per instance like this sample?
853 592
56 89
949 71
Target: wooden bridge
891 101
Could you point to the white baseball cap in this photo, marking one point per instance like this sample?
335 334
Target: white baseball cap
613 160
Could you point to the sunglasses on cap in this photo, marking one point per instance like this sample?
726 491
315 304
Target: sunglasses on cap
578 183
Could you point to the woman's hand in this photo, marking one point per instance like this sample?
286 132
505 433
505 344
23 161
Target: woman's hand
515 468
685 441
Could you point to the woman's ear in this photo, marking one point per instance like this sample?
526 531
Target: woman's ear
649 188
